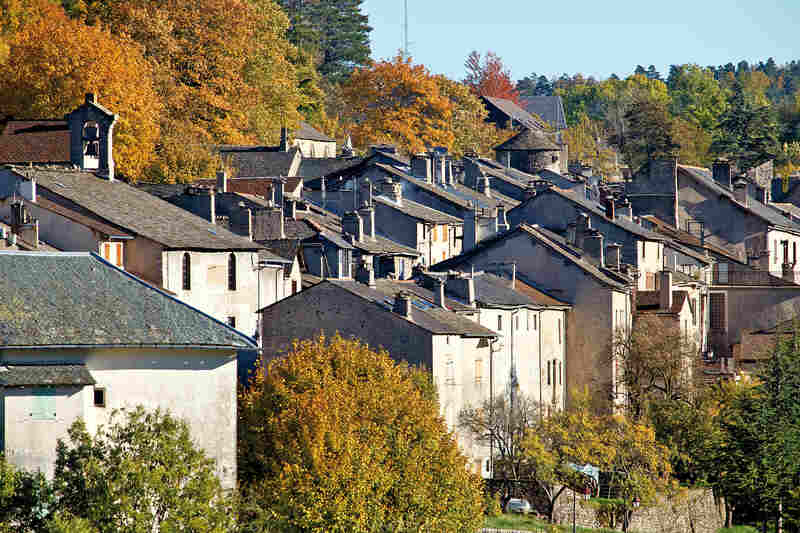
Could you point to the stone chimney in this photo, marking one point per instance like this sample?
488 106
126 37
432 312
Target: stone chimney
625 210
438 161
479 224
365 274
571 233
365 192
23 225
614 256
593 246
463 286
721 172
367 215
241 221
610 208
665 290
449 176
222 181
268 224
290 208
740 192
582 225
438 293
484 185
284 144
352 224
393 190
421 167
402 304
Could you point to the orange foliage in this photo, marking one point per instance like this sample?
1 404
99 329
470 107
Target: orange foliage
53 61
399 102
488 76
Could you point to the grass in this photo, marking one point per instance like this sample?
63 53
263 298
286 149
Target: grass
738 529
529 523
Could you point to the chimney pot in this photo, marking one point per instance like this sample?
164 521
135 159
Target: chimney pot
439 293
402 304
665 290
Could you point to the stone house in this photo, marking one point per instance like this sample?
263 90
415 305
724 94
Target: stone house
730 212
598 289
81 337
505 114
407 321
530 151
481 173
548 108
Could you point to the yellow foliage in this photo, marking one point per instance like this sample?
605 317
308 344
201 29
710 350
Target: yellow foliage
54 61
337 437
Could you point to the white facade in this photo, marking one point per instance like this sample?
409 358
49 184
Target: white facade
195 384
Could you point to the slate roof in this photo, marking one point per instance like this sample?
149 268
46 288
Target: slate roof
285 248
27 374
528 140
428 317
138 212
78 299
537 295
308 132
259 161
788 208
162 190
686 238
316 167
765 212
554 242
549 108
513 111
35 141
419 211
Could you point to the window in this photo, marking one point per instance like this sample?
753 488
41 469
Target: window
516 322
450 372
445 237
231 320
560 381
775 242
187 272
644 250
231 272
718 311
534 322
294 286
499 322
99 397
112 252
559 331
478 371
549 366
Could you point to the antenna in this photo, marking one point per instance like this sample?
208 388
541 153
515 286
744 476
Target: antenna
405 29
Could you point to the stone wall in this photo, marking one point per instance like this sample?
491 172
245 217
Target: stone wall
692 511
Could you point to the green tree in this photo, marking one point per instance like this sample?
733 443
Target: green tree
696 96
334 436
747 133
26 498
141 472
649 133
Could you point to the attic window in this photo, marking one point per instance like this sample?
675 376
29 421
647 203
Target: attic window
99 397
231 272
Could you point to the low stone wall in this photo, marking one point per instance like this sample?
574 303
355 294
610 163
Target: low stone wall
691 511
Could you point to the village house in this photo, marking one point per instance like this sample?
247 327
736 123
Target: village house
549 108
408 321
591 278
81 338
481 174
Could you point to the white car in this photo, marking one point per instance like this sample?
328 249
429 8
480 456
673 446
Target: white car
518 505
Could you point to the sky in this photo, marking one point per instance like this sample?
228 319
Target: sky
595 38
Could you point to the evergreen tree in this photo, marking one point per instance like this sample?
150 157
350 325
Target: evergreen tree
335 30
650 132
652 73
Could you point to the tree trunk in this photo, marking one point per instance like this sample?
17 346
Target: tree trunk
728 514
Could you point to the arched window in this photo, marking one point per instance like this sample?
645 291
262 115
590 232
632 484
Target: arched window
91 145
187 272
231 272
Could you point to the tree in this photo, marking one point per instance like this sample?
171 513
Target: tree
649 133
488 76
54 61
141 472
502 426
696 96
25 499
397 101
586 146
335 31
747 132
334 436
533 85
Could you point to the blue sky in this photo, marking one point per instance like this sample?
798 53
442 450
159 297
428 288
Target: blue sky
592 37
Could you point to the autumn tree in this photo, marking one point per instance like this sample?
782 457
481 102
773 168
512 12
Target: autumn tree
399 102
335 436
488 76
649 133
696 96
140 472
586 145
54 61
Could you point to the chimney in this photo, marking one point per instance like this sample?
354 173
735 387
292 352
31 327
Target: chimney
721 172
593 246
277 192
365 192
665 291
393 190
462 285
367 215
438 161
614 256
269 225
610 213
571 233
365 274
290 208
625 210
421 167
451 179
740 192
484 185
402 304
352 224
284 145
582 225
203 201
438 293
502 221
222 180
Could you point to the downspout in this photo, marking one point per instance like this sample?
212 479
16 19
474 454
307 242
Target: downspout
539 333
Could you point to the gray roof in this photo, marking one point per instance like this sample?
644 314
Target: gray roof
138 212
513 111
162 190
549 108
528 140
768 213
494 291
316 167
308 132
78 299
259 161
419 211
31 374
423 313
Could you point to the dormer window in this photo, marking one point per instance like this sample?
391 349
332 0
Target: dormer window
91 145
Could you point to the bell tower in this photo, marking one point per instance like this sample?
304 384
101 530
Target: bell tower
91 128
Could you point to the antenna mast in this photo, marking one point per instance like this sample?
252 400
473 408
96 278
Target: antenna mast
405 29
